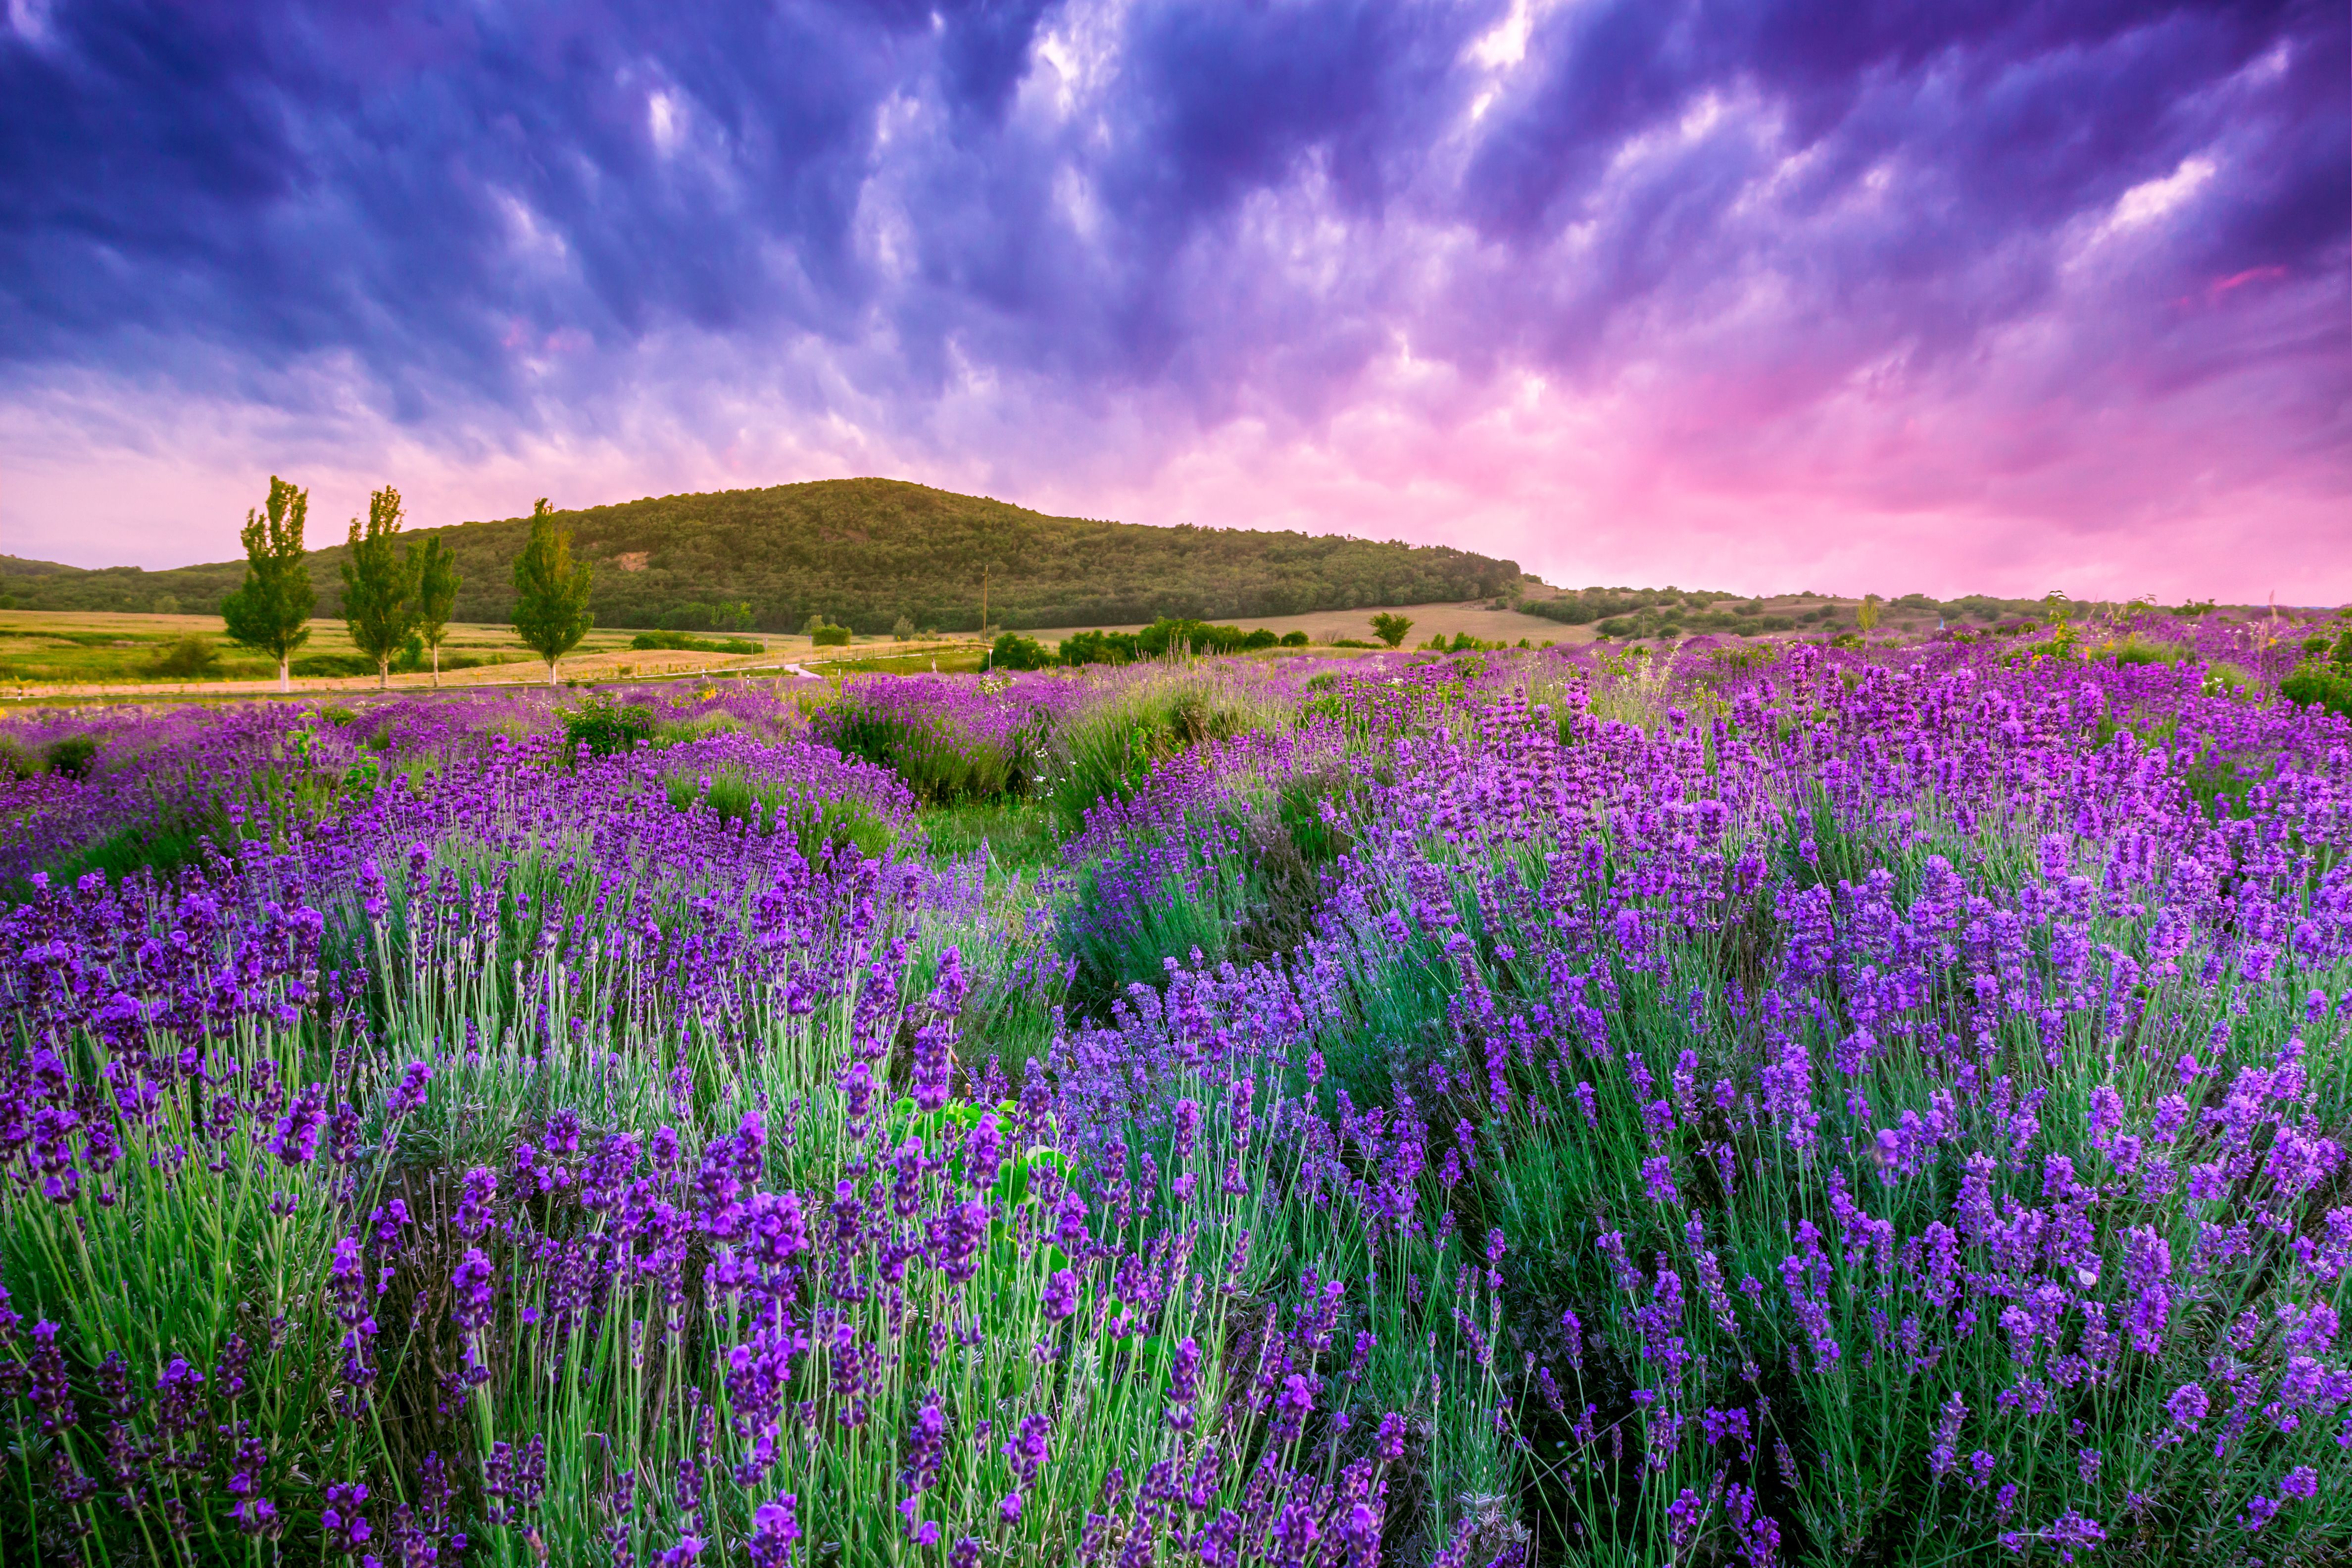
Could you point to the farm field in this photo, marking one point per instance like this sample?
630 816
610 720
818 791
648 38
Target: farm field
47 653
54 653
1741 1103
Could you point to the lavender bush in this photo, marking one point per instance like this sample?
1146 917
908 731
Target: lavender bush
1882 1104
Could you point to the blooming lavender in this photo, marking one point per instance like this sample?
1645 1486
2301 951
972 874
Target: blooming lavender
1468 1080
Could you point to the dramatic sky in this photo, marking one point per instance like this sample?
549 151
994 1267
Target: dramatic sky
1919 295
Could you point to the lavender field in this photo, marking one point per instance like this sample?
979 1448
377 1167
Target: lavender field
1747 1106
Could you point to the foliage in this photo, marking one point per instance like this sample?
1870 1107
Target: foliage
606 725
1180 636
190 657
688 643
271 613
1013 651
2326 686
1100 648
380 587
71 756
830 636
1391 627
438 582
551 605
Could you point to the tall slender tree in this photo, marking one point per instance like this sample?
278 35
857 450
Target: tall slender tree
271 613
551 594
436 597
380 585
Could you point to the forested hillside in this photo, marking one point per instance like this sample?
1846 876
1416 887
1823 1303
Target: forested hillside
862 552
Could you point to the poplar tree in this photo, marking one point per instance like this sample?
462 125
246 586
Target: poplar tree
271 613
436 597
551 594
380 585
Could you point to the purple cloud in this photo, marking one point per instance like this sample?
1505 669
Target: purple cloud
1970 296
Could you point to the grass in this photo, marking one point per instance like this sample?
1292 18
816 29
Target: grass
1018 836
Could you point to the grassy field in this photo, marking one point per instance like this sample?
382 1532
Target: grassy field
49 653
54 653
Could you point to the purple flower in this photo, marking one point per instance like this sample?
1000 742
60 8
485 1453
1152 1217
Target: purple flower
409 1093
2187 1405
1658 1180
776 1526
1061 1297
296 1140
481 1191
1944 1456
471 1284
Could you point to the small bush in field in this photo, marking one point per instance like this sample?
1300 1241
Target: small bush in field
189 657
604 725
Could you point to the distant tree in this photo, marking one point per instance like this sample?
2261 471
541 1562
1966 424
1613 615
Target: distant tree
902 629
814 625
165 605
436 597
380 585
271 613
1866 615
551 594
1390 628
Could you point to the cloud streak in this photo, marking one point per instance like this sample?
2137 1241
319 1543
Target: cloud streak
1974 296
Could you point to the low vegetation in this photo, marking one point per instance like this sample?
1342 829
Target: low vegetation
1759 1104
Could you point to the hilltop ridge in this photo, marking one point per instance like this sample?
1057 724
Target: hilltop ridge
862 552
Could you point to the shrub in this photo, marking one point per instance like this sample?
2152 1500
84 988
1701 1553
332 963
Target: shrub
189 657
606 726
1294 639
1100 648
71 756
333 666
2314 684
1013 651
686 642
830 636
902 630
1259 638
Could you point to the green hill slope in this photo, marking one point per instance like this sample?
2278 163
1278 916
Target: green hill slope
862 552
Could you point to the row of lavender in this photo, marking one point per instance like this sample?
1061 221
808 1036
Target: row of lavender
1506 1107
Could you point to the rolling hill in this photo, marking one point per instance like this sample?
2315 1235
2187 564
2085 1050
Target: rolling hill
862 552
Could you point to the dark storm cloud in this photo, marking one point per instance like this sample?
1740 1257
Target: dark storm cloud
486 223
417 185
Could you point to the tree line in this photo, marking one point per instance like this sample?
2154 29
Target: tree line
393 590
